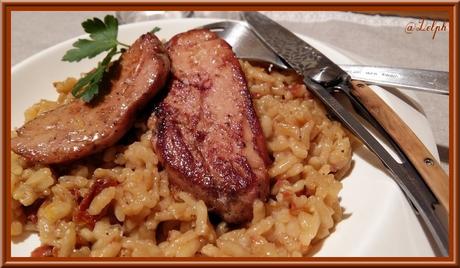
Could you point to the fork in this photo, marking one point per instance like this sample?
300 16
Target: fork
247 46
244 42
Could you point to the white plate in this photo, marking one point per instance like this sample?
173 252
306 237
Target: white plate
379 221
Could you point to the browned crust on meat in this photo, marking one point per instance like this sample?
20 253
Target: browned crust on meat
204 151
79 129
259 139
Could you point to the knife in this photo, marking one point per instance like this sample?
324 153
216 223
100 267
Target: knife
322 76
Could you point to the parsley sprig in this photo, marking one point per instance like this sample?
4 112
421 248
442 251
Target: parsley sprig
103 37
88 86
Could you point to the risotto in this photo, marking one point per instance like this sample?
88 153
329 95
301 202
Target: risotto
119 203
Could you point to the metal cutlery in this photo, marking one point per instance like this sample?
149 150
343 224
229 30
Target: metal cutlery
248 46
322 77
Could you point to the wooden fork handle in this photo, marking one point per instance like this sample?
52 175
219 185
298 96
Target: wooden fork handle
415 150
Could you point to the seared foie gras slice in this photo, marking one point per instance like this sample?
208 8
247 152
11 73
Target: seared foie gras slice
78 129
208 136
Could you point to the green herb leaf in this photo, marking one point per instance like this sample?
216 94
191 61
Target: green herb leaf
103 36
155 30
88 86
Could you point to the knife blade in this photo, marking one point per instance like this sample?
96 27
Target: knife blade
321 75
414 79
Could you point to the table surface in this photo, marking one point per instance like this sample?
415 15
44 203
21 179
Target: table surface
368 39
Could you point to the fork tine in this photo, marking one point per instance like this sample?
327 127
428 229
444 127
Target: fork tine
244 42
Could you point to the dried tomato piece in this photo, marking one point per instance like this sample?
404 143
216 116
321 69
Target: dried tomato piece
44 251
81 215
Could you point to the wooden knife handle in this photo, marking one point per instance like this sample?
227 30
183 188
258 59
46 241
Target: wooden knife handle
415 150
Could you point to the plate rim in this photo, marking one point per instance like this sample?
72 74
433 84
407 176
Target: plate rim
37 56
